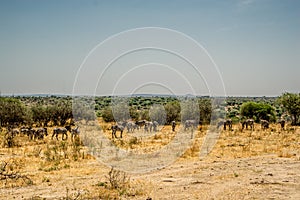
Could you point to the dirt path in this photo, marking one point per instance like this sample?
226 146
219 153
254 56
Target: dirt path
264 177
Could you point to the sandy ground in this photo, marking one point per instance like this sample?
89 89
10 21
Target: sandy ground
263 177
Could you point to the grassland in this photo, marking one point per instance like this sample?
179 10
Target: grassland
259 164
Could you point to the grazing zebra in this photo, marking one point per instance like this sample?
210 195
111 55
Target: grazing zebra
60 130
131 126
282 123
122 123
75 132
15 132
25 131
155 126
173 124
228 122
116 128
40 133
248 122
140 123
148 126
30 132
190 124
264 124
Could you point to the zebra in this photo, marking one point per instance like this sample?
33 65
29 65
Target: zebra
15 132
148 126
173 124
29 132
116 128
74 132
264 124
131 126
224 123
282 123
248 122
24 130
40 133
190 124
155 126
61 130
140 123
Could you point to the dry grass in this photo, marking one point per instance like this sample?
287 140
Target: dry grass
50 164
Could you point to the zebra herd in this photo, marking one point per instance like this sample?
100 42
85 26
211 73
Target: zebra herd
32 133
148 126
41 132
249 123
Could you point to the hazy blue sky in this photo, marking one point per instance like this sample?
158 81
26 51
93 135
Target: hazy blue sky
255 43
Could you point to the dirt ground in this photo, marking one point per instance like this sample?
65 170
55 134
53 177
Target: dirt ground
265 167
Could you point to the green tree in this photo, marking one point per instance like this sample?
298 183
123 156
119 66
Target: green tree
258 111
39 114
291 103
13 112
205 109
134 113
144 114
107 114
172 111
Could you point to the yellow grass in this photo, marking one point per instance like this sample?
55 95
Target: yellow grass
57 169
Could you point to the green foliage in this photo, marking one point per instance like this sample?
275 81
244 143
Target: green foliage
144 114
291 103
13 112
205 109
107 114
258 111
172 111
40 114
133 113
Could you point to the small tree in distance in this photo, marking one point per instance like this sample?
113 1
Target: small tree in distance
291 103
258 111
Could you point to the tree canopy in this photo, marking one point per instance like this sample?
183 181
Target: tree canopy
258 111
291 103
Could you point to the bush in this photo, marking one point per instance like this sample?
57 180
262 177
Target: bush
117 179
291 103
107 114
172 111
258 111
13 112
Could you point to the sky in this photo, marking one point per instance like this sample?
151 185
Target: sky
46 47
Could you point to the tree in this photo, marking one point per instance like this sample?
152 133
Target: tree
172 111
291 103
107 114
83 108
258 111
39 114
248 109
157 113
13 112
189 109
144 114
205 109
